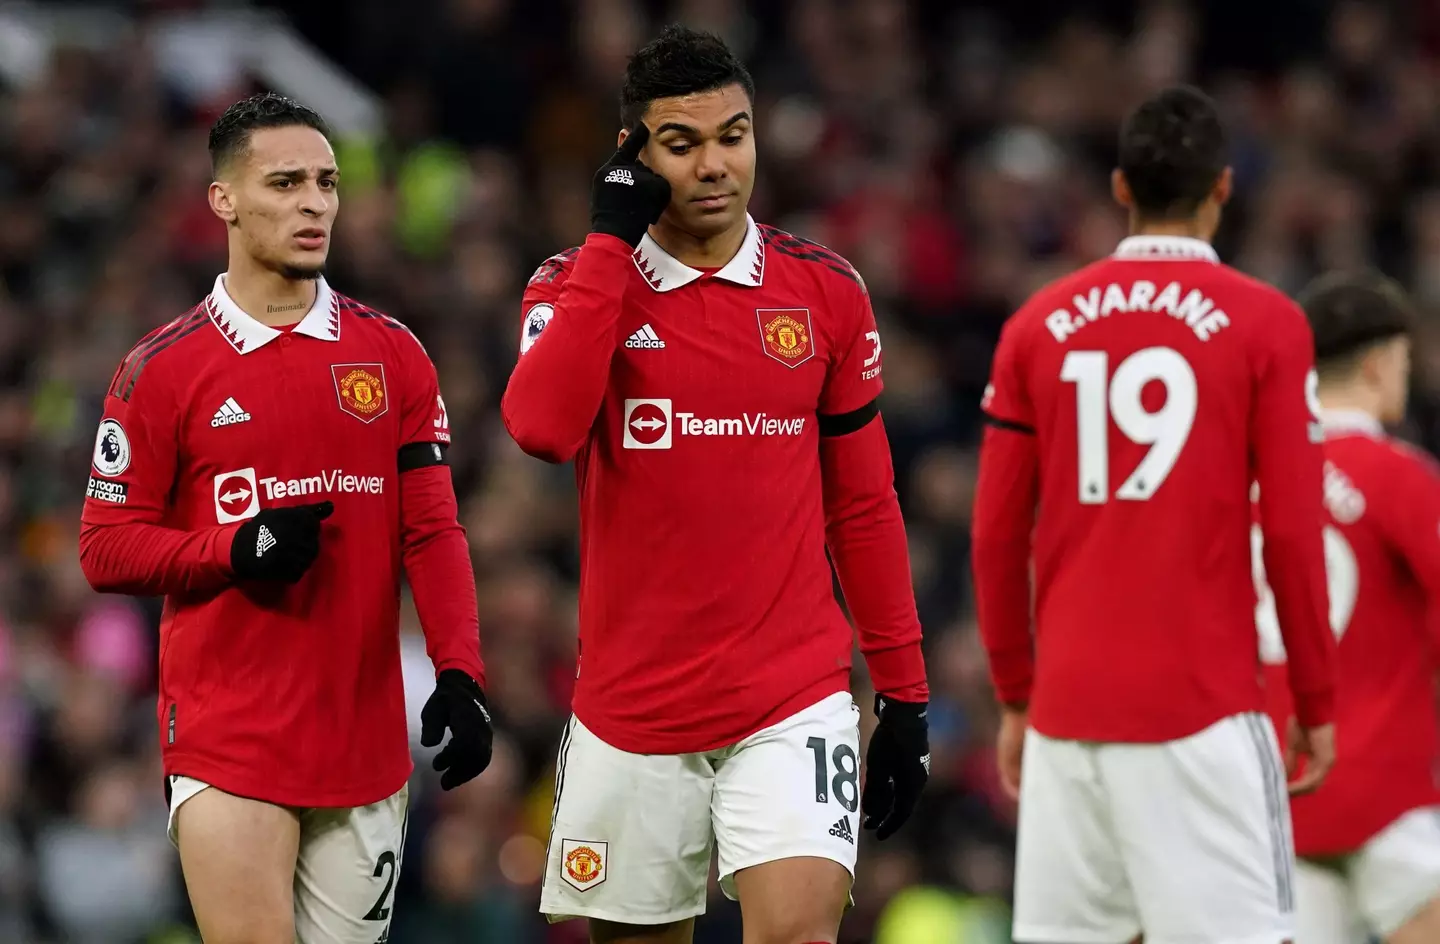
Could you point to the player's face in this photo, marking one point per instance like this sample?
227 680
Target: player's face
1393 376
704 145
282 199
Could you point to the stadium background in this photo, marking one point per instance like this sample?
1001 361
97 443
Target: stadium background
957 153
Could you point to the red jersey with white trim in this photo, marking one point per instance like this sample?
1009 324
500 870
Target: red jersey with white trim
1382 552
691 404
290 694
1131 405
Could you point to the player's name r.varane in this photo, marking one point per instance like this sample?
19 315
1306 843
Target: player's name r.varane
1194 308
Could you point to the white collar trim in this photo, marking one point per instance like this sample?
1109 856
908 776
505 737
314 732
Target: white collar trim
1340 422
664 273
1166 248
245 334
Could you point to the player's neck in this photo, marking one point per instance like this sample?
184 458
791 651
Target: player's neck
1349 400
700 252
1187 229
266 295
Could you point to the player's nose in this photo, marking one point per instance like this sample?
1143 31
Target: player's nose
314 202
711 164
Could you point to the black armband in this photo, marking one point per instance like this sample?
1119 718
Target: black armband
418 455
841 424
1011 425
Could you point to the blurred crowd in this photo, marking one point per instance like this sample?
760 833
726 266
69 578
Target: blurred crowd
956 153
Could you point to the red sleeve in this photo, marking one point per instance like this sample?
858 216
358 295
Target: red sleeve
853 378
1006 497
566 346
866 537
125 544
1285 451
433 546
1409 516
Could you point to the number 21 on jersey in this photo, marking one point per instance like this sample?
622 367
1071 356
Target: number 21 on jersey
1101 396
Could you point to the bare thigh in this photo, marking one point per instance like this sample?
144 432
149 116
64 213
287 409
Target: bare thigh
793 901
609 932
238 857
1423 928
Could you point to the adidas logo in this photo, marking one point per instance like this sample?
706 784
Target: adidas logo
841 830
229 413
620 175
264 541
645 338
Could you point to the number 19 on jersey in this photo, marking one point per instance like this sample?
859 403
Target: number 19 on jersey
1101 397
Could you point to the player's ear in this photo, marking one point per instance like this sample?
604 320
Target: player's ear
1224 187
1120 189
222 201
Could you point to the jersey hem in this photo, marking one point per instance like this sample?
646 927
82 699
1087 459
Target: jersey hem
244 784
1040 721
1322 851
622 737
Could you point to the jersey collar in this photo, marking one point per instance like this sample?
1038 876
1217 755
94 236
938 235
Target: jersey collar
245 334
1340 422
1165 248
665 273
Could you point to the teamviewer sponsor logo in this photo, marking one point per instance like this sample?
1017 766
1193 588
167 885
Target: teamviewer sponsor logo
236 497
653 424
332 481
647 424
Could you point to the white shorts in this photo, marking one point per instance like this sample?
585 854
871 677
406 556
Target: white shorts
1374 891
631 834
1187 841
347 869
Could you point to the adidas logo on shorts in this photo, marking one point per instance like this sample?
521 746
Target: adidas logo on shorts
620 175
841 830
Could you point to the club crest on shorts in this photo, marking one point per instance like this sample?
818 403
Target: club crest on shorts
785 333
583 863
361 390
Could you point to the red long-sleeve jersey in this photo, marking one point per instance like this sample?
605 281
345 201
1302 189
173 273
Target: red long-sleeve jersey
1131 406
289 694
725 433
1382 555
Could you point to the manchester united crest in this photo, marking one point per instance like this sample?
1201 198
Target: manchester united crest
583 863
785 333
361 389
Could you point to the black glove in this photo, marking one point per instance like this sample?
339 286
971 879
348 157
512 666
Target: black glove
458 703
626 196
896 765
279 543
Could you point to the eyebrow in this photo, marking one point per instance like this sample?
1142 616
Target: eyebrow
695 132
301 173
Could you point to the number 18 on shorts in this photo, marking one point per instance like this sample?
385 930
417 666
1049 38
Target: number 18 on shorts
632 834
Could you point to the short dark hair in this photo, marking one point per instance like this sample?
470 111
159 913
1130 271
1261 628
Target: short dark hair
1172 150
1349 313
230 134
680 61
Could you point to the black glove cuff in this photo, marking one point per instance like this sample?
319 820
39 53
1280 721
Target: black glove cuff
901 713
458 678
630 230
